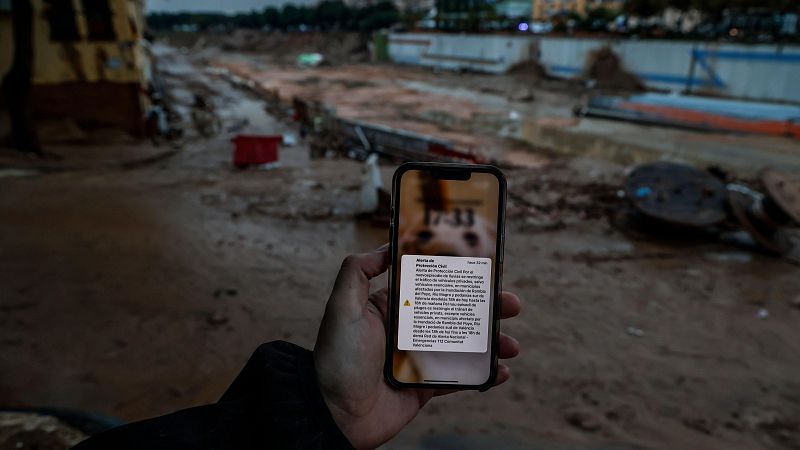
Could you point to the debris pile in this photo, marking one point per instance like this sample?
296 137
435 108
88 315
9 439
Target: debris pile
678 201
334 135
552 205
331 133
529 72
605 68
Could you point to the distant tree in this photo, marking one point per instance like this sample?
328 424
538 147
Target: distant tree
18 81
464 15
410 18
251 19
271 17
647 8
291 16
378 20
309 14
326 15
332 14
599 18
713 8
380 15
681 5
157 21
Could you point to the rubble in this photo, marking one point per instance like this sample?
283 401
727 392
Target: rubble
699 424
605 70
358 139
678 199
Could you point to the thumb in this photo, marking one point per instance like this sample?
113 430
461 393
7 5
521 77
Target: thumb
352 283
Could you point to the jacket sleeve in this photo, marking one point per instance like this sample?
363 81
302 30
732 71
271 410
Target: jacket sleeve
275 402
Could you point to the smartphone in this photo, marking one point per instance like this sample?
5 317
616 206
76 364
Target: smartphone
447 233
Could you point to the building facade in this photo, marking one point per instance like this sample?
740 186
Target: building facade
90 62
546 9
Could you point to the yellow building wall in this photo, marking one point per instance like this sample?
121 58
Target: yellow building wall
122 60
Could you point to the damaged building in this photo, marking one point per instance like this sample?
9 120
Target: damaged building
90 63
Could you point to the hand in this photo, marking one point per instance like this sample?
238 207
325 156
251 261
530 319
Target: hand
349 356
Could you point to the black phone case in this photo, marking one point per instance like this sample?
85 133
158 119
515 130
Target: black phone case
391 330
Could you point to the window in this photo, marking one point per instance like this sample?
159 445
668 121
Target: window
61 18
98 19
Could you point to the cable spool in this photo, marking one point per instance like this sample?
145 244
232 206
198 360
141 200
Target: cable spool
761 217
677 194
783 196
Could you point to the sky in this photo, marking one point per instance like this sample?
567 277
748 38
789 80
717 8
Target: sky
226 6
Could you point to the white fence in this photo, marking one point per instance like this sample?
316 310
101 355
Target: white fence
761 72
483 53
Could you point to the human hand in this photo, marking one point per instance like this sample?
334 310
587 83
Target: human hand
350 353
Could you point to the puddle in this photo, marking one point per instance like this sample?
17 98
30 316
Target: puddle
12 173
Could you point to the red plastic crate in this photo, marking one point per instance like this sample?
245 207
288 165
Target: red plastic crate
255 150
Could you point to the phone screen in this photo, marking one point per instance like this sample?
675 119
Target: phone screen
445 274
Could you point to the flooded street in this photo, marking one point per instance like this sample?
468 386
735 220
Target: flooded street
138 290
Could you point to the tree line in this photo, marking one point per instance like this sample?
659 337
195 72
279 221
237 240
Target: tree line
711 8
328 15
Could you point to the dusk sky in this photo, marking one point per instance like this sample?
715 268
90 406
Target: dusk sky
228 6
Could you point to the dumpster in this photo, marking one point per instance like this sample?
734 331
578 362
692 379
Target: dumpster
255 150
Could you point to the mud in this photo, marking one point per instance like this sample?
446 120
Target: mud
135 292
607 71
463 108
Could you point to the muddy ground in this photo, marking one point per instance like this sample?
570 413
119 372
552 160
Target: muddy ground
137 290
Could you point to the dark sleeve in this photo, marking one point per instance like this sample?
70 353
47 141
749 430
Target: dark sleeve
275 402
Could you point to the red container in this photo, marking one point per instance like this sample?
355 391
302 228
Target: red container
255 150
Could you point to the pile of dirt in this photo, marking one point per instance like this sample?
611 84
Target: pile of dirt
605 68
529 70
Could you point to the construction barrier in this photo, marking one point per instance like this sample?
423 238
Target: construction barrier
757 72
